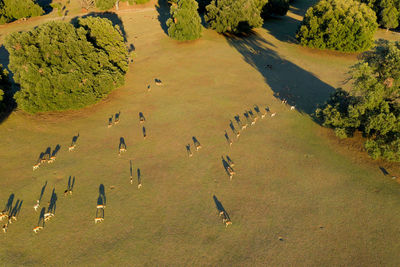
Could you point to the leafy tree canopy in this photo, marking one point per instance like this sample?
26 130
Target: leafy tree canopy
373 106
185 22
343 25
233 16
387 12
60 66
16 9
4 86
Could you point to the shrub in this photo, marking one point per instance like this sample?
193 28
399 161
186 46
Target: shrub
343 25
185 22
16 9
60 66
373 106
234 16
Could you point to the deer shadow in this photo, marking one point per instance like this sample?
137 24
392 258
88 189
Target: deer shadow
303 90
42 191
144 132
139 176
102 195
16 209
53 200
74 139
220 207
188 151
8 206
383 170
55 151
41 216
195 141
122 143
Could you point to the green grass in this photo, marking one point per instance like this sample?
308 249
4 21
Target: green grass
292 177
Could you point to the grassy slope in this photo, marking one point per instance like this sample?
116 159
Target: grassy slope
290 178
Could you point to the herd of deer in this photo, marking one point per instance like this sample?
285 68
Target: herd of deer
250 119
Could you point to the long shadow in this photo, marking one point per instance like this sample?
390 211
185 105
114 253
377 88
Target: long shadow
113 17
55 151
42 191
16 209
74 139
9 203
287 80
41 216
163 14
102 195
53 200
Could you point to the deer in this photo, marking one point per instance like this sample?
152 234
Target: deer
5 228
121 149
159 82
273 114
48 216
96 220
244 126
292 107
263 115
139 186
3 216
37 205
68 192
37 229
101 206
116 120
71 148
52 159
131 180
36 166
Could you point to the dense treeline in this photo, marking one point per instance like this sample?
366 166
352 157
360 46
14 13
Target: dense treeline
373 106
387 12
60 66
343 25
11 10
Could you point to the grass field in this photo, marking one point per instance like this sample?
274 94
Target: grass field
328 202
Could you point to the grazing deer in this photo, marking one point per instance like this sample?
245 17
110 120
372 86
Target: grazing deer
228 223
139 186
71 148
67 192
3 216
263 115
121 149
52 159
37 229
292 107
36 166
273 114
158 82
100 206
48 216
98 220
5 228
37 205
244 126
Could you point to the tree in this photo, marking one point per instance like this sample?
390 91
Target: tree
16 9
233 16
389 16
373 106
276 7
60 66
343 25
185 22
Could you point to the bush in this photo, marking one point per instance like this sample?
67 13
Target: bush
373 106
16 9
185 22
234 16
60 66
343 25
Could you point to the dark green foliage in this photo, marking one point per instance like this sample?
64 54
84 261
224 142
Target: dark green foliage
387 11
233 16
105 4
141 1
61 67
389 16
275 7
373 107
185 22
4 86
343 25
16 9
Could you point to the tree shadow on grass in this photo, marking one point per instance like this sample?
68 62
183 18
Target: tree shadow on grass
163 14
113 17
287 80
8 98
